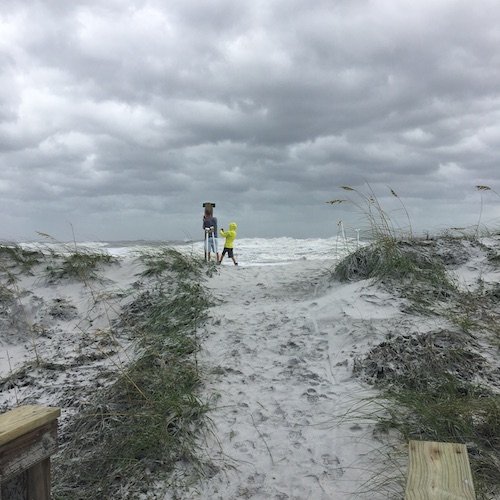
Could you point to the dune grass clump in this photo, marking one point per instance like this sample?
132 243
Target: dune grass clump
450 409
438 384
381 225
80 265
402 266
435 385
387 260
18 260
15 262
145 424
72 261
394 257
423 361
168 260
136 433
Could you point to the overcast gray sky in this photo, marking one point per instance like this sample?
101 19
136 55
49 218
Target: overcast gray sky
120 118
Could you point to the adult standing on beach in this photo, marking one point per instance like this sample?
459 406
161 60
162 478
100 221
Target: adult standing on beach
210 228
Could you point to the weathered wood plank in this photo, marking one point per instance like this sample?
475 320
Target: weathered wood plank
39 480
14 489
27 450
28 436
24 419
438 471
31 484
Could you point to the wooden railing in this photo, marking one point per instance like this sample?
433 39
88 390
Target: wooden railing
438 471
28 437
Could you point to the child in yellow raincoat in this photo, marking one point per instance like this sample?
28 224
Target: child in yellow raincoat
228 244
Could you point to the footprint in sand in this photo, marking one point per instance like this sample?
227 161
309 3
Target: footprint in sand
244 446
311 395
296 438
332 466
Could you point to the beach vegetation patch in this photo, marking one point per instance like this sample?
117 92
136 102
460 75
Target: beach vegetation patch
14 263
438 384
384 260
81 265
453 411
143 427
424 361
168 262
17 260
406 267
395 256
382 225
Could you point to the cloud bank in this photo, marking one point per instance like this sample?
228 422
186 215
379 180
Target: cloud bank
118 120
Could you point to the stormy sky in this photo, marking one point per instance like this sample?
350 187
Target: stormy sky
118 119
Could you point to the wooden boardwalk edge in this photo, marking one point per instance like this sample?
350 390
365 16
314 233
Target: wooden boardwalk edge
24 419
438 471
28 438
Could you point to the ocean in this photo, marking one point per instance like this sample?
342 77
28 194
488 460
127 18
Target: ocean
248 251
276 251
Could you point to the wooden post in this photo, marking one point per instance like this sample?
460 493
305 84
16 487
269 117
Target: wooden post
28 437
439 471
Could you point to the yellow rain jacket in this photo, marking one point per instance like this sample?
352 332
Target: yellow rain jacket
229 235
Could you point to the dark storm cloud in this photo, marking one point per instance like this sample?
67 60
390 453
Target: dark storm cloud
121 119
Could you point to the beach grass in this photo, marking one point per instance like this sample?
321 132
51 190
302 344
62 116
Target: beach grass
382 226
14 257
435 384
15 262
145 421
81 264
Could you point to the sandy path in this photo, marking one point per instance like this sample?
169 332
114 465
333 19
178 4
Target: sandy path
278 351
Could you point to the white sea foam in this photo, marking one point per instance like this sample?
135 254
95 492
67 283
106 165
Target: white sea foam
248 251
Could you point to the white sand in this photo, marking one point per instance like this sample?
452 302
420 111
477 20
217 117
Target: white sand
278 351
290 419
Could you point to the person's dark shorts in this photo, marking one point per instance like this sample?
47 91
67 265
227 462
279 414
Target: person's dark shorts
228 251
